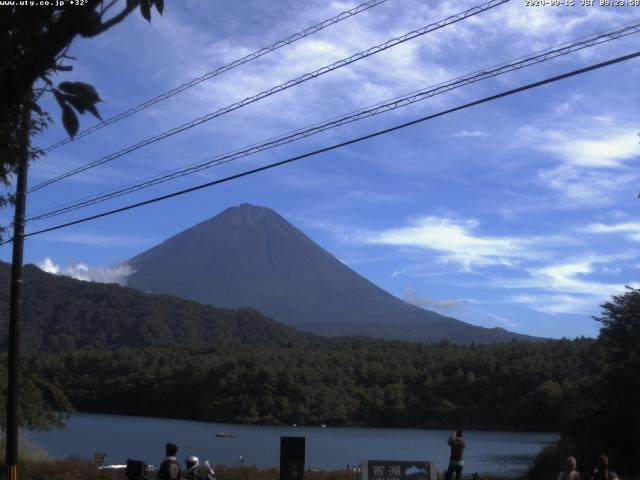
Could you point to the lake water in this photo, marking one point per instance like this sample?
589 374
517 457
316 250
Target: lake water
122 437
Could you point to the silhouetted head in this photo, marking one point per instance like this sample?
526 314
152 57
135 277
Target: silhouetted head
603 462
171 449
570 464
459 432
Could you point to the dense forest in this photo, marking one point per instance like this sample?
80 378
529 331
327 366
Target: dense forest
61 314
198 362
518 385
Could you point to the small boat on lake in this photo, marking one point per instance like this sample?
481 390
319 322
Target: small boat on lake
225 435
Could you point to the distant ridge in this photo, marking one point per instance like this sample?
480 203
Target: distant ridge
61 314
251 256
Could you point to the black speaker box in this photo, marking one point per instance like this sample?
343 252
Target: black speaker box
291 458
135 469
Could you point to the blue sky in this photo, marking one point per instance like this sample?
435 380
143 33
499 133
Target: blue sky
519 213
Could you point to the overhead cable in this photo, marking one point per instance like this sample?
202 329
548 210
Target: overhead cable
398 102
220 70
284 86
338 145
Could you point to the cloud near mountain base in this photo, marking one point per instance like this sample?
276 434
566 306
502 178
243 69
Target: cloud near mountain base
80 271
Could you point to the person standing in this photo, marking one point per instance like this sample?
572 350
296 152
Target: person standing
170 468
602 472
456 462
569 472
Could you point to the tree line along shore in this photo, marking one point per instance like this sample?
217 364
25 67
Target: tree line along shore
584 388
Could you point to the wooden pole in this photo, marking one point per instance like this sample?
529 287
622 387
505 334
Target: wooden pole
15 300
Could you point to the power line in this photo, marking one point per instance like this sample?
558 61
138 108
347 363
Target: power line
398 102
338 145
220 70
301 79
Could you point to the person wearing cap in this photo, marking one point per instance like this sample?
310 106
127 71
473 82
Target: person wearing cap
194 470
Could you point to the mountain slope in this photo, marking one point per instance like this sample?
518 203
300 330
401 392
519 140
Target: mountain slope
251 256
60 314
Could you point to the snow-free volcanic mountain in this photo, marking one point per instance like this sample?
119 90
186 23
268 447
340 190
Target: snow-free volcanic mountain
250 256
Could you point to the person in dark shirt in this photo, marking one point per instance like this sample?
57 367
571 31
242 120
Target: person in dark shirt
170 468
456 462
602 472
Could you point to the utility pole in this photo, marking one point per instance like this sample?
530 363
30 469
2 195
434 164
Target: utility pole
15 299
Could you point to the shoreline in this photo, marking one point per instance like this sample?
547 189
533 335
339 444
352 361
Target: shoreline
432 427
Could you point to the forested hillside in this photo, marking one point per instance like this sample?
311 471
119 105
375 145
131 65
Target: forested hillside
60 314
519 385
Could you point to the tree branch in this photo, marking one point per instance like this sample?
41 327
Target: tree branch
131 6
40 57
106 9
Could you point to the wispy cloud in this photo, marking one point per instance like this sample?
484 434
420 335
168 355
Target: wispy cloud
455 241
604 145
538 264
409 295
573 277
80 271
567 287
557 304
583 187
589 157
470 133
631 230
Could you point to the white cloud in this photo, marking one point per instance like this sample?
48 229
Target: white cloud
48 266
470 133
569 286
541 22
571 277
588 187
631 229
455 240
592 155
575 285
557 304
590 148
80 271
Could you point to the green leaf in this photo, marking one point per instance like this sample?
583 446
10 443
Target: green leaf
69 120
59 97
159 6
145 9
82 90
94 111
76 102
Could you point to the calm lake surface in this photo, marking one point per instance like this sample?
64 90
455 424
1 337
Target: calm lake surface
143 438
